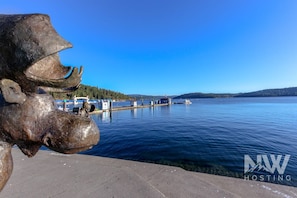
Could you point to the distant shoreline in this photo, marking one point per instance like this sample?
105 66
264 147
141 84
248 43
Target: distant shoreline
99 93
292 91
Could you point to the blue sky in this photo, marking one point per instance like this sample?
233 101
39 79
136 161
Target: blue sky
165 47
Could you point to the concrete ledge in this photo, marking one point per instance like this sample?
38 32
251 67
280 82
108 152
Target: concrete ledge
50 174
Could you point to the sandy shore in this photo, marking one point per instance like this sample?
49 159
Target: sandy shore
50 174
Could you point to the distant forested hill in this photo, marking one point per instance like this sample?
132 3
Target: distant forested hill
203 95
147 97
93 93
292 91
98 93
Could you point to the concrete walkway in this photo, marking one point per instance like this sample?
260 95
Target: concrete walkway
50 174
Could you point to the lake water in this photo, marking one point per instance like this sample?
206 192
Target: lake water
210 135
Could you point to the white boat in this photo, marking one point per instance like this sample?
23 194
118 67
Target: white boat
187 101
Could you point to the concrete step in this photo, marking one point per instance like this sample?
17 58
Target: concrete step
54 175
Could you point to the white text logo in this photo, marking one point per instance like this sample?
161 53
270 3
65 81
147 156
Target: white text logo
272 167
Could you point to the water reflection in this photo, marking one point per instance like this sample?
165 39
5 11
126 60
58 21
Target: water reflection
152 110
165 110
105 116
133 113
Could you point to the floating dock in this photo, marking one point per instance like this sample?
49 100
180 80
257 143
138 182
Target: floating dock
129 108
108 106
54 175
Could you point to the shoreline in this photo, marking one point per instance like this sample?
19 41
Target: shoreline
50 174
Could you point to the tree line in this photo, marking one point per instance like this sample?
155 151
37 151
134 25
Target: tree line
291 91
204 95
92 92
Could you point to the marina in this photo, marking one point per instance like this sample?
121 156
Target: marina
104 105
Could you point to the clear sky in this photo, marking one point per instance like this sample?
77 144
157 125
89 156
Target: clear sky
165 47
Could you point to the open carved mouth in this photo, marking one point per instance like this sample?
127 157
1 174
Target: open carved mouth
29 54
51 76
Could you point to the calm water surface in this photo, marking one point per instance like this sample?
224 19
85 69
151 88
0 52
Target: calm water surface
210 135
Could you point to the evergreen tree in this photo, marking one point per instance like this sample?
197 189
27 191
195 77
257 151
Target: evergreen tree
92 92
